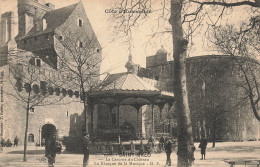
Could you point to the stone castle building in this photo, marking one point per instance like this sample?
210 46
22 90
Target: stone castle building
217 95
33 44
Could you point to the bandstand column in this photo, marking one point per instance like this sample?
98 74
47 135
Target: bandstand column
40 137
137 113
92 121
118 123
152 119
91 109
169 120
138 129
110 115
161 108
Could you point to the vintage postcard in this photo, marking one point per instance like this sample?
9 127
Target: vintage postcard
129 83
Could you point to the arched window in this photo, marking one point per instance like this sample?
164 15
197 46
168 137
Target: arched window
31 138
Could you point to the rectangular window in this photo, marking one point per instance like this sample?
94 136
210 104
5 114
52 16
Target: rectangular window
44 24
2 129
2 77
38 62
31 110
80 23
2 94
113 118
80 44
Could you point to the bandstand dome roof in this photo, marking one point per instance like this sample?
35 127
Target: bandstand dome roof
129 89
126 81
161 51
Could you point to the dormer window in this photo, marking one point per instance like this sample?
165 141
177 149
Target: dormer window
31 110
60 37
38 62
80 22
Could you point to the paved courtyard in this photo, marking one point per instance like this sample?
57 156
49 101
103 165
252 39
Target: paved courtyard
12 157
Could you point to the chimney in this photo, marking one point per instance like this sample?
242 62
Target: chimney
10 23
7 30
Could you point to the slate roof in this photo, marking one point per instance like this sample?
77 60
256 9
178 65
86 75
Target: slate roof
54 19
127 81
57 17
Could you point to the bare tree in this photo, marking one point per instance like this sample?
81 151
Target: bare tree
31 85
80 56
181 13
242 42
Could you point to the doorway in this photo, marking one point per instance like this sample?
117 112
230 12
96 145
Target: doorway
47 130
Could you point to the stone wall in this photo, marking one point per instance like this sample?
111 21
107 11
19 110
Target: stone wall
214 95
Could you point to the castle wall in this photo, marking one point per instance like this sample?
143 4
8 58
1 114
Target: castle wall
215 97
67 114
13 109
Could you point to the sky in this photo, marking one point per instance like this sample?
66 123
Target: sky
115 52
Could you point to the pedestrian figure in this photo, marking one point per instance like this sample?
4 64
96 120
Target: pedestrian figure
16 141
58 147
121 149
8 143
151 140
161 144
149 147
111 150
43 142
203 146
168 150
50 150
132 147
85 150
3 143
141 150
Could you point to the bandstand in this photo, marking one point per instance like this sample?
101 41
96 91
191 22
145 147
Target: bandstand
128 89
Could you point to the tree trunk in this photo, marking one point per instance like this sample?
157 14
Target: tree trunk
185 141
214 133
26 131
85 124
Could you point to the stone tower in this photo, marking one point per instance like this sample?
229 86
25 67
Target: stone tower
30 13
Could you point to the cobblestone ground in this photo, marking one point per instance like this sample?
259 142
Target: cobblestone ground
215 157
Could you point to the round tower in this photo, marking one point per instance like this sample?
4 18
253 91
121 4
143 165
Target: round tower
29 11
